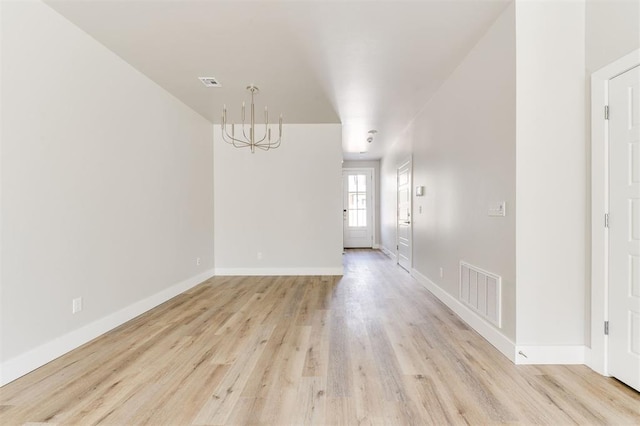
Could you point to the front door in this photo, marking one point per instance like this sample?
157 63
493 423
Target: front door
404 216
624 227
357 213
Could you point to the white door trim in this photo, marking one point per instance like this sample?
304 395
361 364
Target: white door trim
374 243
597 356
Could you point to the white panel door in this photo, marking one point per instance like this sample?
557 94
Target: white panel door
404 216
624 227
357 213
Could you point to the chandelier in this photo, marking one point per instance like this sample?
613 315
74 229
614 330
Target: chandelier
250 140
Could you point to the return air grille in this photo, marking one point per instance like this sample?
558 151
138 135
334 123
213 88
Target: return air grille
481 291
210 81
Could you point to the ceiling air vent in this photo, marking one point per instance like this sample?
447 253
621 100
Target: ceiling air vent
210 81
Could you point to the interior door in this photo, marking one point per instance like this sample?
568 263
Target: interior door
404 216
624 228
357 213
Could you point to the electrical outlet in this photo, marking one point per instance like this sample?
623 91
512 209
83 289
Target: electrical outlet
76 305
197 261
441 272
259 255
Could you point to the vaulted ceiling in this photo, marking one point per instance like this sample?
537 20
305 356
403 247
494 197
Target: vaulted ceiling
365 64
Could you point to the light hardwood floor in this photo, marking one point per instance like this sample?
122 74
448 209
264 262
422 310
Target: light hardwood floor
372 347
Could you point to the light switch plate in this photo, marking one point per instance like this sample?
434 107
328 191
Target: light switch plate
498 209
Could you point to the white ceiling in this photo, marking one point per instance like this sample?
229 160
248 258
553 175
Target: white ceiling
366 64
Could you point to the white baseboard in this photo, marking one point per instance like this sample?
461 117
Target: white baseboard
376 246
486 330
563 354
388 252
277 271
596 361
39 356
529 354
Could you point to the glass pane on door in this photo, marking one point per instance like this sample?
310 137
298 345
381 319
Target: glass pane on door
362 183
353 218
357 200
353 183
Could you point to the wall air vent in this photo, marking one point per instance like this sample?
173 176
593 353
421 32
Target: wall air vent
210 81
482 292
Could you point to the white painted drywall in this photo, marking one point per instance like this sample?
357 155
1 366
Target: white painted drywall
612 31
285 204
463 149
550 173
375 165
107 182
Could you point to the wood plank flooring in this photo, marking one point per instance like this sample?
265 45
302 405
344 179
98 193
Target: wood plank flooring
372 347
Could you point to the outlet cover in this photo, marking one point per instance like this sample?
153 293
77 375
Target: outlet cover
76 305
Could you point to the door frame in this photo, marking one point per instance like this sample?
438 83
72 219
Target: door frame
597 356
374 244
401 165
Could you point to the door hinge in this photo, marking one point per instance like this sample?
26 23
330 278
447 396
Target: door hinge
606 328
606 112
606 220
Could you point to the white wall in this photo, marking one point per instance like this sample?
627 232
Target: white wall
375 165
463 151
107 189
550 173
612 31
285 204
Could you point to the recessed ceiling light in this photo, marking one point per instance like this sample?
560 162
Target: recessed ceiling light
210 81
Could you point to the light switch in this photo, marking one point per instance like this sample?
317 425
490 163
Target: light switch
498 209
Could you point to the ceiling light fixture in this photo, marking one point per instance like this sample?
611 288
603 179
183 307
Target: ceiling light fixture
250 140
371 134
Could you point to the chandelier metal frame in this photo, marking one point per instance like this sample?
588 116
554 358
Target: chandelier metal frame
251 141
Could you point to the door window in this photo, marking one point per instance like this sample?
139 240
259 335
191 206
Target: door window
357 201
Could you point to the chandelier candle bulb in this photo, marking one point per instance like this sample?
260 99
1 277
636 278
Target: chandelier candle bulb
251 141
